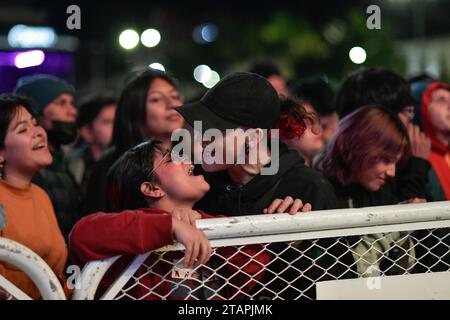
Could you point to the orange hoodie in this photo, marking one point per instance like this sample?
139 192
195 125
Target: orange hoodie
31 221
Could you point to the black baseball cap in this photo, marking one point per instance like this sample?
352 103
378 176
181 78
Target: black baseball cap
240 99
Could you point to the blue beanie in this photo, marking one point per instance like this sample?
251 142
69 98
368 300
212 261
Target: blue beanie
42 89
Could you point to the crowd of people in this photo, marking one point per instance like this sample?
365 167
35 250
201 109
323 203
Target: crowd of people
103 177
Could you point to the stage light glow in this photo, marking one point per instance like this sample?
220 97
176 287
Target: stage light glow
29 59
357 55
129 39
150 38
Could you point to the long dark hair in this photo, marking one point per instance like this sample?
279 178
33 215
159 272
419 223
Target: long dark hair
9 106
130 121
126 175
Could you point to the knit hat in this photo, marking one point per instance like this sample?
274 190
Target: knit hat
42 89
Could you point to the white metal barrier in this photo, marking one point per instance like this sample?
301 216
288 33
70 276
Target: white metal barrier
34 267
283 257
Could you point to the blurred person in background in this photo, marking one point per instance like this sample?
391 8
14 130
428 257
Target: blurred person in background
54 100
319 96
271 72
95 123
435 120
145 110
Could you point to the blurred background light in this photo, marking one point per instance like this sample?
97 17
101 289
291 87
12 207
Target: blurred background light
357 55
205 33
29 59
202 73
211 82
129 39
22 36
334 32
150 38
157 66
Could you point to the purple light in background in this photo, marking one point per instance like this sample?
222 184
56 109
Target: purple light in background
29 59
57 63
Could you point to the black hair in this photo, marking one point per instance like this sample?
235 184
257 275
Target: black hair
130 125
265 69
316 92
90 109
373 86
126 175
421 77
9 106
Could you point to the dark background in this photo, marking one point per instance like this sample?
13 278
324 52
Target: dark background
293 34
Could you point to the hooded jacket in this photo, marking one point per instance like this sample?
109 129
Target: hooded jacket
440 153
293 179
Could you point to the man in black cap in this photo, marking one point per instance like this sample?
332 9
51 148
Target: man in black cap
54 101
248 101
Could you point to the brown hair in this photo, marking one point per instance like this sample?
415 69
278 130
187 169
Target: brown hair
368 133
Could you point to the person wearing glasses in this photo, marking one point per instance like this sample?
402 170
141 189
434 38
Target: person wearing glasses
154 194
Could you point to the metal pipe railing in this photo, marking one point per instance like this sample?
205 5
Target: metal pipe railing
256 225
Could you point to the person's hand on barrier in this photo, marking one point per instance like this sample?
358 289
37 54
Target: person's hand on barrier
294 206
420 143
186 215
198 249
414 200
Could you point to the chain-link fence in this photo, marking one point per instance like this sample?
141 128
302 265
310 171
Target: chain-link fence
282 256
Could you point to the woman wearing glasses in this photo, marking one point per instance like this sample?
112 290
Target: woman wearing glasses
155 195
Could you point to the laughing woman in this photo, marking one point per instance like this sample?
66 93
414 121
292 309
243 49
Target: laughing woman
155 195
29 215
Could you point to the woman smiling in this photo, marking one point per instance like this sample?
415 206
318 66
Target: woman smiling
29 215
